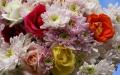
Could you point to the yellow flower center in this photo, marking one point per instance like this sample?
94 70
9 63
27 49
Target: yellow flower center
54 18
9 53
118 18
64 35
90 70
72 23
119 48
3 3
74 7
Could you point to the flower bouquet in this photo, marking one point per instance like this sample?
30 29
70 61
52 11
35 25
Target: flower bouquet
58 37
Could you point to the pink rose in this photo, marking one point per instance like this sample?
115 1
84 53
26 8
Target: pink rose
31 60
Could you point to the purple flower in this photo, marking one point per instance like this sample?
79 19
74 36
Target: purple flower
77 24
75 35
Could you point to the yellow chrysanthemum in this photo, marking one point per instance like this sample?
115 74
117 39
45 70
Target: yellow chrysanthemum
64 60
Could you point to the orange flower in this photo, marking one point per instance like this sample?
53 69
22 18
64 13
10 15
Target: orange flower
101 25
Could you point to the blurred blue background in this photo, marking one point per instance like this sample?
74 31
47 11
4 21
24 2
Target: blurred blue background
104 4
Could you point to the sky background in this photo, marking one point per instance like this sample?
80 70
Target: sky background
104 4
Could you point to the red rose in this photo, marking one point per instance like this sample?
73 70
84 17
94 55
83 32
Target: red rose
33 20
102 27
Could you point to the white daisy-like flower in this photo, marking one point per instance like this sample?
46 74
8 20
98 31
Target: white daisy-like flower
87 69
114 12
8 59
12 9
117 34
77 7
16 10
43 1
10 54
91 6
20 43
25 9
74 6
104 67
55 16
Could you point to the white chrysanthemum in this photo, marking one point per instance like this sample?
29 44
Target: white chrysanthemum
55 16
104 67
10 54
43 1
117 34
16 10
12 9
20 42
114 12
87 69
74 6
91 6
25 9
82 6
8 59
